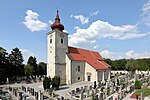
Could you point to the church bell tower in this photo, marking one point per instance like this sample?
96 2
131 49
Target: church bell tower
57 42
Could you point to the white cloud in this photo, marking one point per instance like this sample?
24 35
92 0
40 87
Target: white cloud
106 53
94 13
50 22
84 20
145 16
65 31
130 53
76 27
126 55
101 29
96 47
32 22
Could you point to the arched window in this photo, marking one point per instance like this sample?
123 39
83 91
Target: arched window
88 78
50 40
78 68
78 78
62 41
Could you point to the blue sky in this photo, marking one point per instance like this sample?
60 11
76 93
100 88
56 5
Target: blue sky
115 28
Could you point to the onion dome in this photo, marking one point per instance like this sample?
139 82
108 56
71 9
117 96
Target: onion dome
57 24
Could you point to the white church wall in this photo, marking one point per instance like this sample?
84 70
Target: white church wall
90 71
68 70
77 71
51 54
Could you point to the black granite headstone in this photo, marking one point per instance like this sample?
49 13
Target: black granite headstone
96 97
33 91
94 84
77 90
36 95
20 96
62 98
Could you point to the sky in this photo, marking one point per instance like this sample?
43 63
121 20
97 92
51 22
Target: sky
116 29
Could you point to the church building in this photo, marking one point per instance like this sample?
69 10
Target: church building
70 63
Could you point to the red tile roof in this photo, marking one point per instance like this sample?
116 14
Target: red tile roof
92 58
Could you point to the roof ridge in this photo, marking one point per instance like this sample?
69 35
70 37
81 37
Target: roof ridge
82 49
93 55
102 63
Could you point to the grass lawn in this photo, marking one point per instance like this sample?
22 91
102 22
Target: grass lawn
145 91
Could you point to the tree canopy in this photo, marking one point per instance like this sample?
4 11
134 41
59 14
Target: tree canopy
129 64
11 65
33 63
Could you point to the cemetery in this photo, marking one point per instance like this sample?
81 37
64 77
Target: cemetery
120 87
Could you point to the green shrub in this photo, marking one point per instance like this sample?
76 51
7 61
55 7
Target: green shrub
56 82
46 83
137 84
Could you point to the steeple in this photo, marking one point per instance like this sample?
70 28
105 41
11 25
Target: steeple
57 16
57 24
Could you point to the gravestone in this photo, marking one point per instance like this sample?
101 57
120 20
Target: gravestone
82 89
85 88
28 89
41 96
108 91
101 96
96 97
73 93
10 88
77 90
62 98
90 87
88 93
96 90
111 98
102 89
23 88
106 85
99 84
149 80
20 96
117 89
33 91
15 92
94 84
36 95
131 89
81 96
118 81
